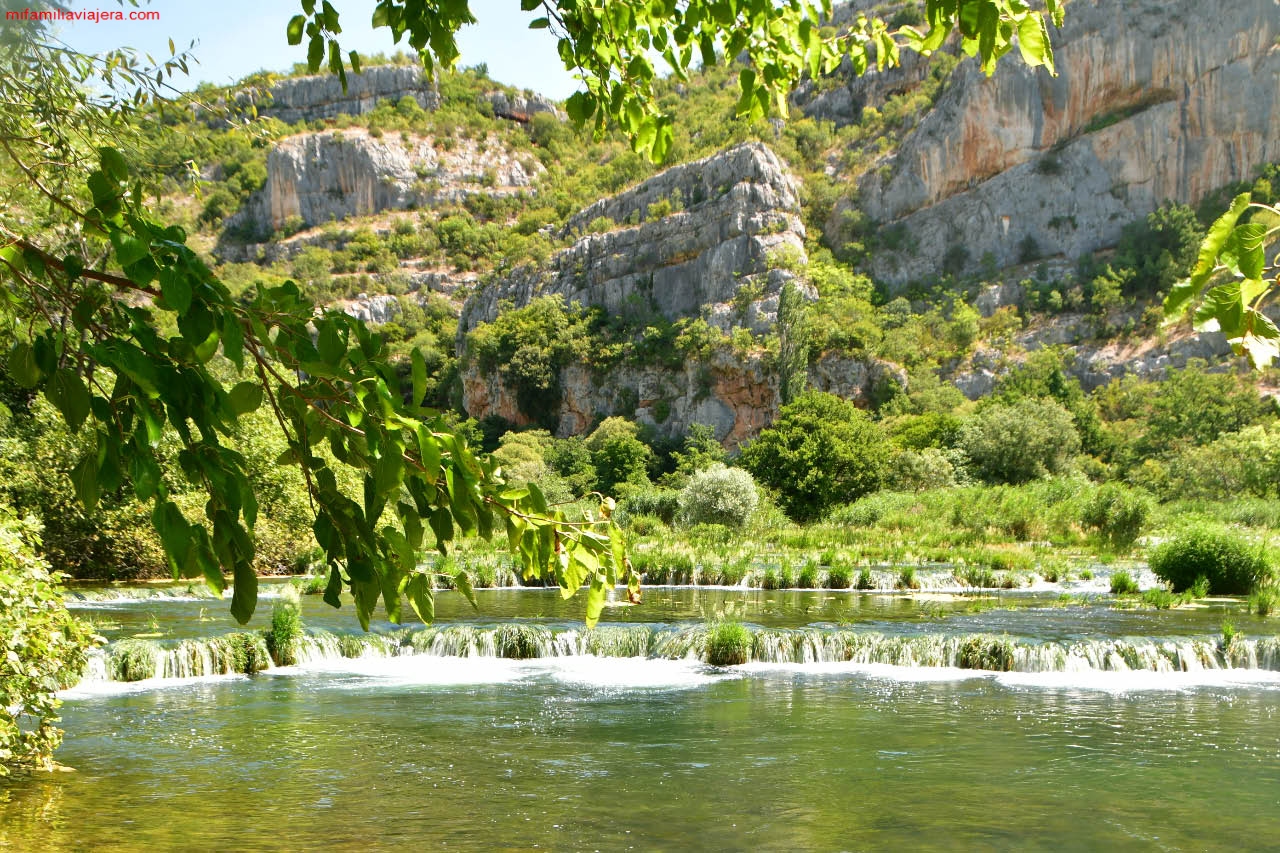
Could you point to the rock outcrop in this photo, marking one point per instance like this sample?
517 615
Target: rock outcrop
702 242
723 219
1153 102
321 96
734 395
315 178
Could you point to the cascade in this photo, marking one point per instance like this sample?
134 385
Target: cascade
246 653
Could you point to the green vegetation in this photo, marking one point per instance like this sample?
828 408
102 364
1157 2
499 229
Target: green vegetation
718 495
728 644
286 628
820 452
44 650
1230 564
1122 583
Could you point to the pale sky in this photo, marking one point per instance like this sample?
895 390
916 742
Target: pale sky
238 37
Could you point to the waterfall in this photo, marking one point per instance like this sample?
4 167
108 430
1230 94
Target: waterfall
246 653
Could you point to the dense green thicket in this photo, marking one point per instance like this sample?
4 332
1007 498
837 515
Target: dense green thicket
1230 564
42 650
820 452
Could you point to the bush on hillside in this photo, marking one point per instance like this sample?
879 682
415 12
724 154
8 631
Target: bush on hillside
1025 441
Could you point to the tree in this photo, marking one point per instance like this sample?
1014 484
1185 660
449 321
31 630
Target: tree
820 452
618 454
1020 442
121 326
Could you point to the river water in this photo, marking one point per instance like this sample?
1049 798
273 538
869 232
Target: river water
853 727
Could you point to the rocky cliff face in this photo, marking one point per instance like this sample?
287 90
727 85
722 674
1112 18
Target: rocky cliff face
321 96
1152 102
315 178
709 258
724 218
734 395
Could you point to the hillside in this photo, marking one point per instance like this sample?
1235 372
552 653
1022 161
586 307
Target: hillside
993 204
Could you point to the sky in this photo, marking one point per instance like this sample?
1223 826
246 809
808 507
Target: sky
235 38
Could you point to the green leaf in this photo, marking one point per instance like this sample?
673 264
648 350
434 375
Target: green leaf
1260 341
315 53
419 373
417 588
68 393
539 24
174 530
84 477
175 289
595 601
129 249
355 61
1247 245
1216 240
333 589
330 343
113 163
22 366
294 30
463 582
245 397
244 598
1033 42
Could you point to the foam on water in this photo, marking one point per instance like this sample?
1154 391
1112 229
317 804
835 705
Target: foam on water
413 670
632 673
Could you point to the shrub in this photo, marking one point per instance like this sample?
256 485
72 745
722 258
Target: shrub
921 470
662 503
1118 513
1231 565
808 578
840 576
1122 583
718 495
728 644
864 579
1024 441
44 649
821 451
1264 601
286 627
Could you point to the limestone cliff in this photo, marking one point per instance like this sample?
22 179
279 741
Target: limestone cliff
724 218
736 396
708 254
321 96
313 178
1152 102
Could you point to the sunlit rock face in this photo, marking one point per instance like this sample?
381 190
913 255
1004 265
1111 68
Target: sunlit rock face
688 239
321 96
706 239
314 178
1152 102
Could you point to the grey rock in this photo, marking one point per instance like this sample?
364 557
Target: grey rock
522 107
315 178
1152 102
321 96
738 209
374 310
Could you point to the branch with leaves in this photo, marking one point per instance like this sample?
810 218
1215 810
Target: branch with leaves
611 46
1232 281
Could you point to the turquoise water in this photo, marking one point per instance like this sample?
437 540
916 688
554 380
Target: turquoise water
582 752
